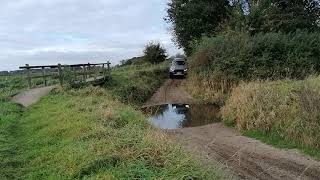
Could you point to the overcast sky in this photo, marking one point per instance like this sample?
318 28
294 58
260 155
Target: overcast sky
79 31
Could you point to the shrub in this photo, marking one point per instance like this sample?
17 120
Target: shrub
154 53
224 61
288 109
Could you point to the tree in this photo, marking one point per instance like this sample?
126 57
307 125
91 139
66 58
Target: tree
192 19
289 15
154 53
279 15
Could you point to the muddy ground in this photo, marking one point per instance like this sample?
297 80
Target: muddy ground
171 92
244 157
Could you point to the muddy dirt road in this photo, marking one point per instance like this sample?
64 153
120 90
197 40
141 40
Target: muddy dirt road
171 92
245 157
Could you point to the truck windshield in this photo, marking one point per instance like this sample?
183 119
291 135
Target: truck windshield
180 63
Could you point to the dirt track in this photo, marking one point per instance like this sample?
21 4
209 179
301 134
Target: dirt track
170 92
245 157
26 98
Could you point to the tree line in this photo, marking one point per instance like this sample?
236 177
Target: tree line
193 19
243 40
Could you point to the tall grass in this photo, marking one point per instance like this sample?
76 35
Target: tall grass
205 87
287 109
135 84
10 85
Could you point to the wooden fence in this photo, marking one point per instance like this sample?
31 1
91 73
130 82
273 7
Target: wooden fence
78 72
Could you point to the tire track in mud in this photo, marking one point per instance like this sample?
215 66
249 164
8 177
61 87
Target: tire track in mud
171 92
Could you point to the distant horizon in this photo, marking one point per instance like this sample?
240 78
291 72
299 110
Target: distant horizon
116 62
71 32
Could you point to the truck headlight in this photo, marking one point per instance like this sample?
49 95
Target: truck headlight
185 70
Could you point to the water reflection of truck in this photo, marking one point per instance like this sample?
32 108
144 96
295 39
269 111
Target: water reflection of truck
180 108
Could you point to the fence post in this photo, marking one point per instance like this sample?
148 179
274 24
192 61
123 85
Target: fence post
29 76
95 72
84 73
74 72
108 63
60 74
44 76
89 71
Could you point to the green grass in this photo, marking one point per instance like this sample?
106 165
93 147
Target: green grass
10 164
86 134
10 114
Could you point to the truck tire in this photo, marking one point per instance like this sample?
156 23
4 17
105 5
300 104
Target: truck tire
171 76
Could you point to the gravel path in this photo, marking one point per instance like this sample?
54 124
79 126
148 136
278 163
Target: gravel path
245 157
29 97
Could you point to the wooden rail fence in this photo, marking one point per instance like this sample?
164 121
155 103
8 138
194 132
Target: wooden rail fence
78 72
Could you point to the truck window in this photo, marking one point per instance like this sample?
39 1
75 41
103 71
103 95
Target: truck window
180 63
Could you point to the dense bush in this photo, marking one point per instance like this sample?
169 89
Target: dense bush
287 109
226 60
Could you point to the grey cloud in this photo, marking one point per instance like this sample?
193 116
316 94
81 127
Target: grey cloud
72 31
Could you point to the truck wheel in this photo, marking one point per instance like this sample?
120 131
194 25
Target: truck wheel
171 76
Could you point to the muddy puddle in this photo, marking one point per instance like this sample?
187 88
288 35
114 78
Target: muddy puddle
175 116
